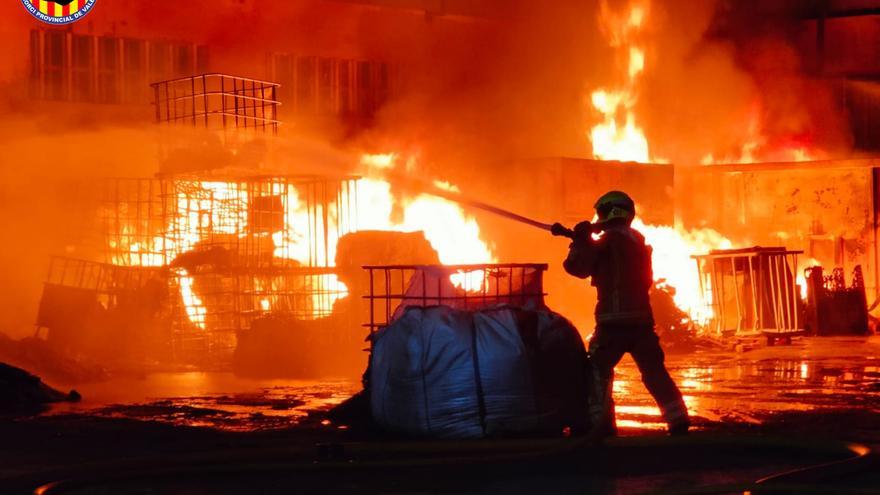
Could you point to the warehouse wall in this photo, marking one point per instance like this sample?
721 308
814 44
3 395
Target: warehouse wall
827 209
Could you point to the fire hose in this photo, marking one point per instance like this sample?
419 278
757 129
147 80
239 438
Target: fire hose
466 201
556 229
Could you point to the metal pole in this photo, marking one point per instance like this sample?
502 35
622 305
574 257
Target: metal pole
774 291
758 310
718 290
168 104
739 312
223 100
235 99
388 294
783 306
789 294
324 204
372 300
204 96
192 96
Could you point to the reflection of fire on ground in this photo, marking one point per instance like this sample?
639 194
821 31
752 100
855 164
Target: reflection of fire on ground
840 373
722 389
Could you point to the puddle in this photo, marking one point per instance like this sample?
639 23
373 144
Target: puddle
811 374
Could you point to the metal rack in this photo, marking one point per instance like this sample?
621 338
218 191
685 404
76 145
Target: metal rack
217 100
76 287
752 290
255 221
231 249
392 288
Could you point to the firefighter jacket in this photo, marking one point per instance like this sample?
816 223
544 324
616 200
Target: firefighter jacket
619 264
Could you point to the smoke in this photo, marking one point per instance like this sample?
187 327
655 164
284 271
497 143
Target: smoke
470 96
48 187
730 81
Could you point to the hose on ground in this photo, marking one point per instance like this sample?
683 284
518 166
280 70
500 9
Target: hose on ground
349 456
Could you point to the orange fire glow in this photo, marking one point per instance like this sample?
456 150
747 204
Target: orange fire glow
205 209
672 262
755 148
801 279
618 136
450 231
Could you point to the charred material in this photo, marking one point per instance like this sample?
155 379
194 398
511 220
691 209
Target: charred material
190 262
677 332
833 308
109 313
24 393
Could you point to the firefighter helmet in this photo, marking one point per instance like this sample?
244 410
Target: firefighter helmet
615 204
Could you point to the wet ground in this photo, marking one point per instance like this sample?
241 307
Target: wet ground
816 388
812 375
748 388
213 400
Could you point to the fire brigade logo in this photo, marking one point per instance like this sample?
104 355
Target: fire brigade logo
58 11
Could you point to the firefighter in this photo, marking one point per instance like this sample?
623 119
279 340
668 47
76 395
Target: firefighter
619 263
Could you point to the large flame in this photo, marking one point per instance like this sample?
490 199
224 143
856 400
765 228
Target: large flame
450 231
672 262
618 136
204 210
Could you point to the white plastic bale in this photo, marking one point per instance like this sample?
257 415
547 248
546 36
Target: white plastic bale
426 381
505 373
422 375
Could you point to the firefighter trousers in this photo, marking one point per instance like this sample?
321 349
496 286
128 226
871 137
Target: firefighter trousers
607 346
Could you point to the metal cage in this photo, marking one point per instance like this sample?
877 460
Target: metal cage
253 221
75 287
752 290
217 101
231 249
392 288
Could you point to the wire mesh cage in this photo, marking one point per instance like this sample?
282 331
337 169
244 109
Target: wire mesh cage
751 290
232 249
393 288
255 222
134 217
215 304
74 288
217 101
